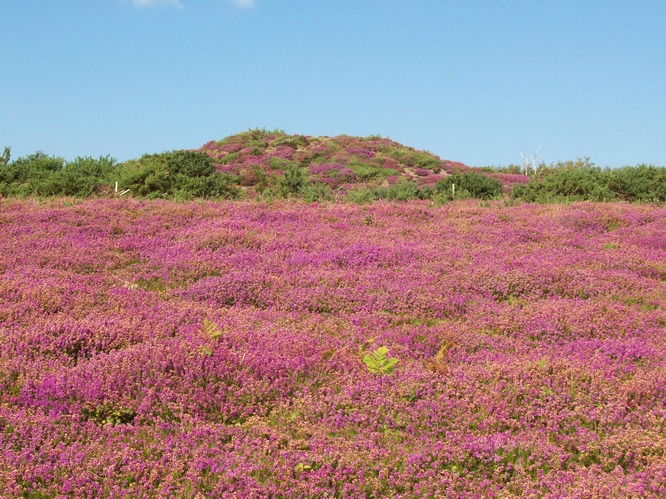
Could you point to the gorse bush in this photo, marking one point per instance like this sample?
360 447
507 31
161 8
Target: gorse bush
317 192
292 182
82 177
404 190
468 184
33 169
30 175
177 174
581 184
645 183
416 159
589 183
6 155
366 171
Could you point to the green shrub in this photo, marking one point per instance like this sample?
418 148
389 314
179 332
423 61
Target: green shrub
404 190
579 184
317 191
276 163
257 176
214 186
291 183
293 141
82 177
644 183
38 166
256 138
29 175
416 159
179 174
361 196
468 184
366 171
225 160
6 155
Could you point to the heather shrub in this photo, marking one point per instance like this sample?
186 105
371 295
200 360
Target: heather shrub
468 184
160 349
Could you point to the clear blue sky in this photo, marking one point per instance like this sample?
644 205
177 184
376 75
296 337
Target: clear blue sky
477 81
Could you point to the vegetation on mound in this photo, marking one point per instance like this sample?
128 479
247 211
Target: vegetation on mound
273 164
337 162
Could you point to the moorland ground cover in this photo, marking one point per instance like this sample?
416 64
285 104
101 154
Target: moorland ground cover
237 349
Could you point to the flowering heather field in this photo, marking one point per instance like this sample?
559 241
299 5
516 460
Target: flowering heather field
158 349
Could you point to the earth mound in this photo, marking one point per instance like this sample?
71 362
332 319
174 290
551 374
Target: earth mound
341 162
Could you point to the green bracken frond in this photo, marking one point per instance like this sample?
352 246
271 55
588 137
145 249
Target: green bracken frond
378 363
211 330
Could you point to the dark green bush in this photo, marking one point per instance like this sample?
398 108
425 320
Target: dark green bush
179 174
293 141
292 182
276 163
579 184
6 155
468 184
82 177
644 183
366 171
416 159
404 190
29 175
361 196
317 191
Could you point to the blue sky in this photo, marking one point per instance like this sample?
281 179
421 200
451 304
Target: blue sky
476 81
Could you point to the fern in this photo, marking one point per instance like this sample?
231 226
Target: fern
211 330
378 363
